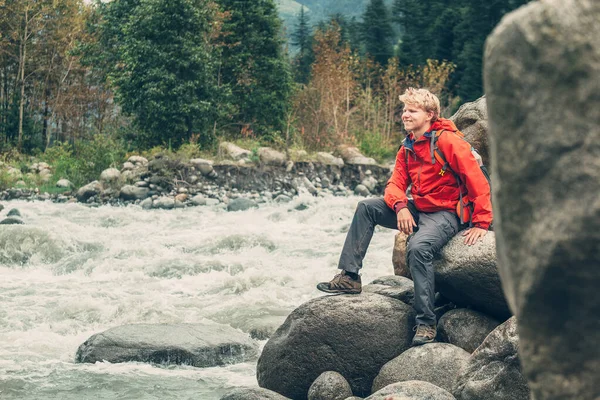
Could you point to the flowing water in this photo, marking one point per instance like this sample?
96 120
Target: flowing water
73 271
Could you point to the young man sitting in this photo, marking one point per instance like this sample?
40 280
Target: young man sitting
431 217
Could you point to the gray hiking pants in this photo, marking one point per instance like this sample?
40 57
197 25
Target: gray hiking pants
433 231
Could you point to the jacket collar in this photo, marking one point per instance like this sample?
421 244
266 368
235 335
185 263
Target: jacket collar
439 124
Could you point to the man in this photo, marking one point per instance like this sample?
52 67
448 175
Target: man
431 218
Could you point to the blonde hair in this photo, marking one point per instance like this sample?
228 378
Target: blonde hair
424 99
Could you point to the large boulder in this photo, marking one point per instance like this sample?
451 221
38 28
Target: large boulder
110 175
465 328
330 385
231 151
204 166
397 287
468 276
241 204
329 159
542 78
353 335
411 390
269 156
198 345
131 192
351 155
472 120
493 371
436 363
91 189
252 393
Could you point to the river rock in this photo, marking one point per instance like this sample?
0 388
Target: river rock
370 183
131 192
146 204
165 203
232 152
282 198
252 393
204 166
127 166
14 212
472 120
468 276
361 190
465 328
399 260
198 200
269 156
91 189
493 371
332 333
436 363
1 207
542 71
241 204
64 183
110 175
12 221
411 390
329 159
14 173
396 287
330 385
138 160
198 345
45 175
351 155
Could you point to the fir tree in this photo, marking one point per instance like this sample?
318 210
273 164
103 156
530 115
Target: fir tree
377 32
302 39
254 65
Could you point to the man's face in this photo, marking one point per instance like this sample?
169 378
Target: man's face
415 118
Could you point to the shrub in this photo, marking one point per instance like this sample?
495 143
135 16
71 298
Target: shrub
374 145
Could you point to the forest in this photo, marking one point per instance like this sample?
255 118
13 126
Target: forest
126 76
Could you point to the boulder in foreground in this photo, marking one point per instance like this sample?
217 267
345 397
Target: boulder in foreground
354 335
199 345
411 390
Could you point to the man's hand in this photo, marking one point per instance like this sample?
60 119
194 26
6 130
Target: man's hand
473 235
406 223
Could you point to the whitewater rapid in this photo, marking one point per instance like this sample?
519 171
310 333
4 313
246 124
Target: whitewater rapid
73 271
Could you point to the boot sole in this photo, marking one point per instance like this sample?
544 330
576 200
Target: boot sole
422 342
323 287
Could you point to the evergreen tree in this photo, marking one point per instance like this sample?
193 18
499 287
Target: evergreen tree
254 65
377 32
161 65
413 18
302 39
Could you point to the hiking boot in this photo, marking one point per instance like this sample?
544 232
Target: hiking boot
341 283
425 334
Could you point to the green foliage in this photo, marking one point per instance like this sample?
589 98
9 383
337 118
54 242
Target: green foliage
377 32
254 66
373 144
84 162
302 39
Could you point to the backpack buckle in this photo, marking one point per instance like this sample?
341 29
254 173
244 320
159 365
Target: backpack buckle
442 172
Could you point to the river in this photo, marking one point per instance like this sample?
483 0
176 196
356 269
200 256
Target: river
73 271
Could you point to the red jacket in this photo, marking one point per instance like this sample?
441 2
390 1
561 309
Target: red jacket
432 192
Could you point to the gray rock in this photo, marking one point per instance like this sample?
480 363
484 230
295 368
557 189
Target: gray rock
269 156
361 190
146 204
14 172
542 82
308 185
436 363
198 200
138 160
204 166
329 159
472 120
493 371
12 221
64 183
252 393
397 287
130 192
110 175
468 276
1 207
165 203
330 385
241 204
353 398
282 198
212 202
190 344
127 166
45 175
13 212
351 155
328 334
411 390
399 260
91 189
232 152
370 183
465 328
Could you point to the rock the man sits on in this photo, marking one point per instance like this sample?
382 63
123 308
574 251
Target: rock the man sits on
431 217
